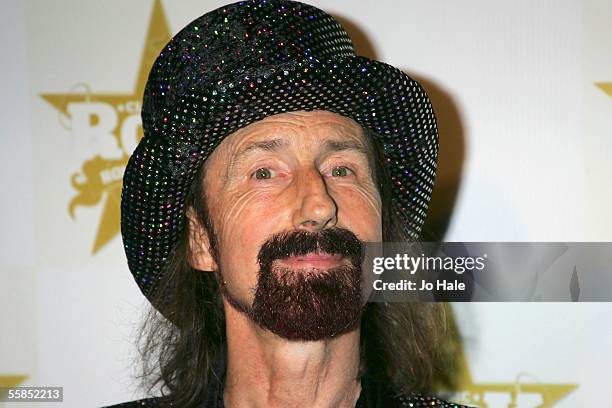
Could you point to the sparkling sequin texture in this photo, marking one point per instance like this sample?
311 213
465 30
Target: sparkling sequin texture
239 64
408 400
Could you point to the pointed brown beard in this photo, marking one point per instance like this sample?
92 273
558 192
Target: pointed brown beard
308 304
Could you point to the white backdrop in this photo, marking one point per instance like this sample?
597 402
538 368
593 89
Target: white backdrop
525 147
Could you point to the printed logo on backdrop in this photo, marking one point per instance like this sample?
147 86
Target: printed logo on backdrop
10 381
108 126
525 391
605 86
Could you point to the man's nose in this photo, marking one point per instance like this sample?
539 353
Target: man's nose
316 209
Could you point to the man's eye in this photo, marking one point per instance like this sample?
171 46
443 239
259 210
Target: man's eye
263 173
341 171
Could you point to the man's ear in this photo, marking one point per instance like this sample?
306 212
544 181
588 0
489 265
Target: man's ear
199 244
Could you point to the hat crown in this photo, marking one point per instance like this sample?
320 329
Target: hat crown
242 39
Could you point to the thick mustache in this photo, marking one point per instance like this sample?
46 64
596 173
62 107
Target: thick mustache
332 241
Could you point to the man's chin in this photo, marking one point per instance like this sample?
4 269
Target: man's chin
308 304
289 328
301 315
297 332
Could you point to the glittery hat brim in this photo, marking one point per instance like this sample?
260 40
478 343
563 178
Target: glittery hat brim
182 135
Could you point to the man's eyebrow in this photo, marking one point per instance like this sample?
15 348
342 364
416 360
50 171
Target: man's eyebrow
247 148
267 145
339 145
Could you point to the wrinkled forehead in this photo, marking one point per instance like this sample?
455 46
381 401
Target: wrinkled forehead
300 129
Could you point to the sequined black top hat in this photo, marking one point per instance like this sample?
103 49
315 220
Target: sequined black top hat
239 64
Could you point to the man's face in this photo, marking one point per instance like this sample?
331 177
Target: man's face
305 172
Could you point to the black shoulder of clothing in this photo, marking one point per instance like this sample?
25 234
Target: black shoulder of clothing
146 402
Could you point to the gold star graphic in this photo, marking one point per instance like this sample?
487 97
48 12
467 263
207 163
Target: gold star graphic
605 86
458 379
10 381
474 393
100 177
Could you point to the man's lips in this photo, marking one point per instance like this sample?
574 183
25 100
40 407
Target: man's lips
311 260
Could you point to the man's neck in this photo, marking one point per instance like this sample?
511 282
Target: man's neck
264 370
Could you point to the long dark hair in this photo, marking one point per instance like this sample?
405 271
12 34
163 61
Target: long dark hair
400 342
